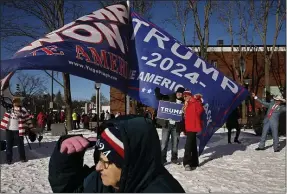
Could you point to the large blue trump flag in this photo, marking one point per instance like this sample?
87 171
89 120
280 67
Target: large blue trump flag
135 56
161 61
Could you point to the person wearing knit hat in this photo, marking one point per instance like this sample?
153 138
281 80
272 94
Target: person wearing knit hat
187 93
170 127
180 90
110 155
127 159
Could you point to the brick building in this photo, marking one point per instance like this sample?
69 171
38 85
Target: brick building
228 61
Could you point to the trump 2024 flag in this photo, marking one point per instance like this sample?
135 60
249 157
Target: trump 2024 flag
123 50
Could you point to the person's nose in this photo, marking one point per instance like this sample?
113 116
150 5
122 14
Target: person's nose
99 166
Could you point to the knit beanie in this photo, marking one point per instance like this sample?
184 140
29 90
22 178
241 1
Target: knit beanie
111 145
180 90
187 93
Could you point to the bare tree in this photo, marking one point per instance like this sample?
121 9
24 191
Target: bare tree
31 85
230 14
276 8
202 32
59 99
257 69
180 17
236 16
51 14
226 17
277 67
142 7
103 99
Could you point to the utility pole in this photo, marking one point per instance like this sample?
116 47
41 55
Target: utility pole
127 98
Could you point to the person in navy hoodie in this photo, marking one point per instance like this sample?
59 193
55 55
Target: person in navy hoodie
127 159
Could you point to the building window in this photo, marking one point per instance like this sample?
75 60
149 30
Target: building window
214 63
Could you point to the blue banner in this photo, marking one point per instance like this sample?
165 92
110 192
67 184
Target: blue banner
169 111
94 47
159 60
135 56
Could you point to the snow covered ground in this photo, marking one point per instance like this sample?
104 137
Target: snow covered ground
224 168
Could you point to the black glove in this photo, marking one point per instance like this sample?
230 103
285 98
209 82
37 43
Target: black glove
32 136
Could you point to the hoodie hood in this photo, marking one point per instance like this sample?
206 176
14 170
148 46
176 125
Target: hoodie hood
142 152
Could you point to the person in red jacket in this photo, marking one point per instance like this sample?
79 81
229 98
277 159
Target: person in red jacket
193 110
41 120
41 123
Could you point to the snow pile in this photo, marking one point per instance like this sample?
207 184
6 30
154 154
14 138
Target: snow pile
224 167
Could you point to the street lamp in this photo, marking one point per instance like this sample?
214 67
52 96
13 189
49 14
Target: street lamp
247 81
97 87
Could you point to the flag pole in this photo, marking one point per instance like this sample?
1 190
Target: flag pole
129 5
127 97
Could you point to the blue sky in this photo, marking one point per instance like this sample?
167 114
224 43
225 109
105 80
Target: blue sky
84 89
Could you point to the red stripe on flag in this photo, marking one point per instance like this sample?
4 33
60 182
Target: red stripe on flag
112 143
134 88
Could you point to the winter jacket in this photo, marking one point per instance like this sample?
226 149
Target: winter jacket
85 119
193 112
164 123
62 116
142 170
74 116
232 120
24 121
78 117
41 119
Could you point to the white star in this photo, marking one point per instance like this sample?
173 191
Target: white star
143 89
149 91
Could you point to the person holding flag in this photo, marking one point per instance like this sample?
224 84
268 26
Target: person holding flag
193 110
271 120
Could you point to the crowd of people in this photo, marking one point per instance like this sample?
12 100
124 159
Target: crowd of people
128 154
85 119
